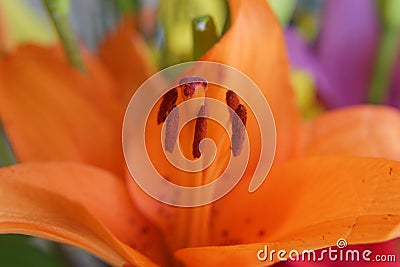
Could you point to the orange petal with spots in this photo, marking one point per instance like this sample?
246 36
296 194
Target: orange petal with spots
79 205
254 45
370 131
52 112
308 203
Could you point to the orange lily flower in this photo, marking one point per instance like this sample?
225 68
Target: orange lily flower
69 187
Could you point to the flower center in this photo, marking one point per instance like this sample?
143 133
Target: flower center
196 87
194 223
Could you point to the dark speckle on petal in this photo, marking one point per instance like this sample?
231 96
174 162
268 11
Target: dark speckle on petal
261 233
225 233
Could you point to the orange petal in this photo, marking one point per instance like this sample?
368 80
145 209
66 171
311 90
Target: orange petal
90 189
259 52
52 112
126 54
309 203
371 131
99 74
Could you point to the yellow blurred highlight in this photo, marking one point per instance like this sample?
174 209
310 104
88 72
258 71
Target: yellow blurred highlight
306 96
20 24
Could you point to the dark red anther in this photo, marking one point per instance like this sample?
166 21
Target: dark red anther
232 99
239 129
190 84
167 104
200 131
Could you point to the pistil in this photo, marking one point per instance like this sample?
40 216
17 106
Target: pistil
199 131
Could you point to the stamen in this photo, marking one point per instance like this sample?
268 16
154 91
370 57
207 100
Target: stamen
189 85
232 100
167 104
199 131
171 131
238 129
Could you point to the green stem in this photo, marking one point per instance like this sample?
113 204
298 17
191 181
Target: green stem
204 35
58 11
387 53
7 156
127 7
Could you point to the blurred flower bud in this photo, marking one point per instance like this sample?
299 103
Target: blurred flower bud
176 16
283 9
390 14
